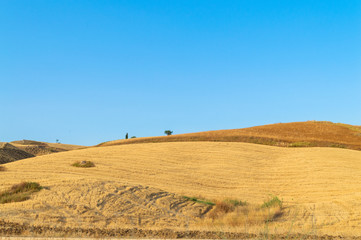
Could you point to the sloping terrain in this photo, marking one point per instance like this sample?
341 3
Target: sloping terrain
41 148
10 153
141 185
105 204
296 134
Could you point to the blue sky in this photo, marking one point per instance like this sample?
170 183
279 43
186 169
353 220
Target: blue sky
85 72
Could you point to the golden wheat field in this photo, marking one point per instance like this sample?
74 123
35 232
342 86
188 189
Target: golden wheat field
142 185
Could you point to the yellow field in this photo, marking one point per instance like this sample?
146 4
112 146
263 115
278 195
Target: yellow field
320 186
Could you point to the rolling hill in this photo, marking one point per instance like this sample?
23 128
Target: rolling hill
18 150
141 185
41 148
296 134
10 153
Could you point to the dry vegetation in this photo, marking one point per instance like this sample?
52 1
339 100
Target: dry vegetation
297 134
19 192
83 164
228 214
142 185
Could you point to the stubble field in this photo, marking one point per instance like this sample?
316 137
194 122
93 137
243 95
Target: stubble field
143 185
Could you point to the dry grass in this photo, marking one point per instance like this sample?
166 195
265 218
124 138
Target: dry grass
235 213
314 183
2 169
226 215
19 192
296 134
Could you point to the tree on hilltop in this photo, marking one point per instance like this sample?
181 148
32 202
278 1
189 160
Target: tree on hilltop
168 132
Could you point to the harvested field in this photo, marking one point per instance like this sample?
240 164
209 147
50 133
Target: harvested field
319 187
296 134
101 204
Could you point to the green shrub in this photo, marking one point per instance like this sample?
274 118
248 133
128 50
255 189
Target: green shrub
19 192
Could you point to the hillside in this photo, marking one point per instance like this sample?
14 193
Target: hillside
141 185
41 148
10 153
296 134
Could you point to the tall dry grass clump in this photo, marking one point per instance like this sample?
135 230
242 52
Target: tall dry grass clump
19 192
227 213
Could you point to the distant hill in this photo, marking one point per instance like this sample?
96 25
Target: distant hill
17 150
10 153
42 148
295 134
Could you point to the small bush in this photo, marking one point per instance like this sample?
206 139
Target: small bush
19 192
274 201
2 169
84 164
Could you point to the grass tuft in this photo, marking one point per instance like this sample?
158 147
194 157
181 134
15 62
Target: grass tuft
84 164
19 192
236 202
2 169
274 201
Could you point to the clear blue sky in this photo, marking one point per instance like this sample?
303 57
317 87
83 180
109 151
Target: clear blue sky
90 71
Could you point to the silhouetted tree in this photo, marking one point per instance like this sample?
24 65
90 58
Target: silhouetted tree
168 132
126 136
